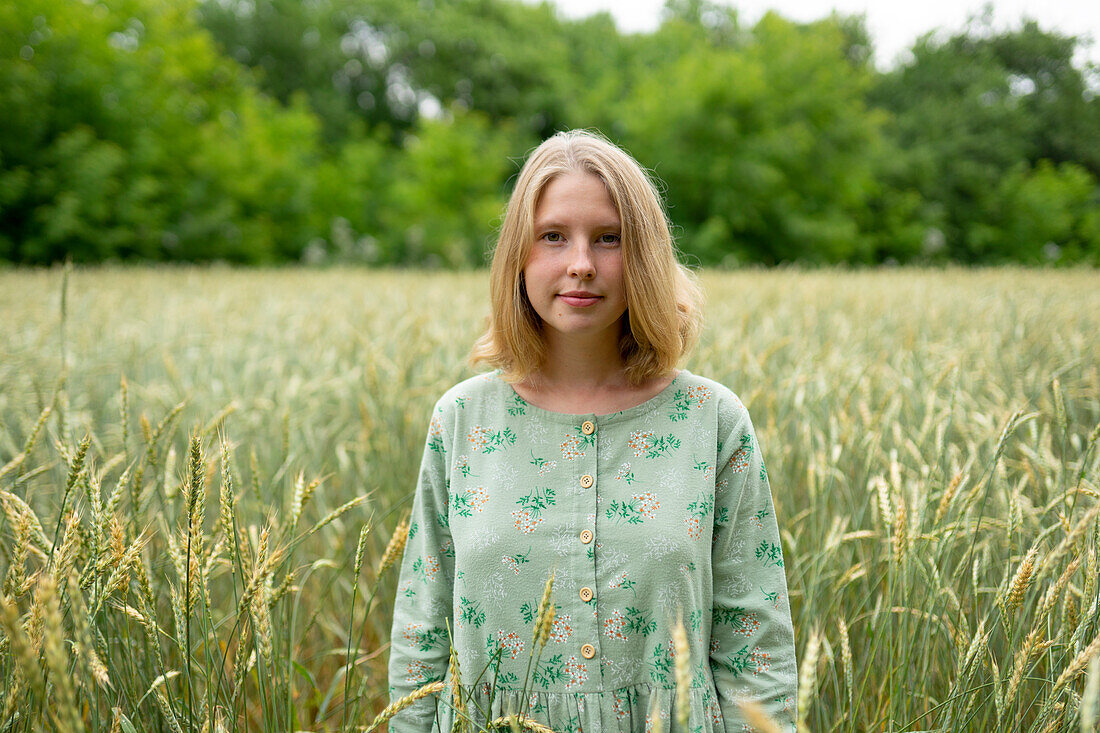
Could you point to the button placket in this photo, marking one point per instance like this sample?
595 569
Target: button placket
587 478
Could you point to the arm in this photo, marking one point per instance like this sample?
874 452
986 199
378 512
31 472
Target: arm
752 653
419 645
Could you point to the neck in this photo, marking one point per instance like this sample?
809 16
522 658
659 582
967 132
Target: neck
583 363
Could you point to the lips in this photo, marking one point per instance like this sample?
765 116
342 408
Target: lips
579 298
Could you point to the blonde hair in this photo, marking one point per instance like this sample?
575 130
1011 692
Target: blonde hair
662 296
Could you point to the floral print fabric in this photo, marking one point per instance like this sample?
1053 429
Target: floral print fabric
659 510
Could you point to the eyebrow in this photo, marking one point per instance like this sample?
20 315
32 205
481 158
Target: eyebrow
558 225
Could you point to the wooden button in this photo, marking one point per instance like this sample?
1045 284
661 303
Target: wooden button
588 427
586 594
586 481
588 651
586 536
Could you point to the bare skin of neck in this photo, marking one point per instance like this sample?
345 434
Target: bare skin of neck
586 375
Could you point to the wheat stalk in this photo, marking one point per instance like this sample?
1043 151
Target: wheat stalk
1031 643
92 662
807 679
1014 593
115 499
360 548
22 647
64 711
284 587
977 644
84 648
1077 665
546 625
396 546
226 498
760 721
458 702
518 721
13 464
543 611
166 711
261 618
336 514
398 705
1091 571
998 691
1069 542
901 530
196 496
882 492
682 671
1015 516
302 494
1072 624
948 496
17 570
14 507
846 657
1091 699
241 669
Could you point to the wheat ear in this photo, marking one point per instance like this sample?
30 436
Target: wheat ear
398 705
682 671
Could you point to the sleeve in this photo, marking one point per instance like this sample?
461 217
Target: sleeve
752 653
419 643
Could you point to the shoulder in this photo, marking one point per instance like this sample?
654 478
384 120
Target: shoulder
737 441
481 394
487 385
731 411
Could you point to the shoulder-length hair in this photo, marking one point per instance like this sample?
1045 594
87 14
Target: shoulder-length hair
663 298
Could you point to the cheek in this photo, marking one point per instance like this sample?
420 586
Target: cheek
537 272
616 274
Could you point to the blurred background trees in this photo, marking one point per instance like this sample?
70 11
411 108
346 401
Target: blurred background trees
387 132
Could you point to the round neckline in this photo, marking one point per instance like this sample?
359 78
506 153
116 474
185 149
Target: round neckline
640 409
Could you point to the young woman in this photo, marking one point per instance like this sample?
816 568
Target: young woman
588 455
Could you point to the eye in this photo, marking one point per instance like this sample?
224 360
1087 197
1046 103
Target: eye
552 237
609 238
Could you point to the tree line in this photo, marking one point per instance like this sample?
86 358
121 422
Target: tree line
387 132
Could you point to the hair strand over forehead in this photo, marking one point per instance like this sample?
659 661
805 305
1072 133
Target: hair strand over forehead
662 296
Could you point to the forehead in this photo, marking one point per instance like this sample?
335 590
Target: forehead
575 195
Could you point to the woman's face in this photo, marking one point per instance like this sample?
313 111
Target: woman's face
574 272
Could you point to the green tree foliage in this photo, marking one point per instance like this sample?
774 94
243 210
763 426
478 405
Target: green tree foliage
1056 99
765 145
447 192
1041 214
387 131
321 49
971 117
129 135
381 60
433 201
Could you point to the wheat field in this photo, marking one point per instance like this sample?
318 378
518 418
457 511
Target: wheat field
201 471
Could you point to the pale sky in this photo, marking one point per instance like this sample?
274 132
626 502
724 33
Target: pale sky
893 24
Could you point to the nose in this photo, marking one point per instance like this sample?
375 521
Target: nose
581 264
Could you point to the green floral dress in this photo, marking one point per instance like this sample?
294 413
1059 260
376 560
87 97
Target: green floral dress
660 509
